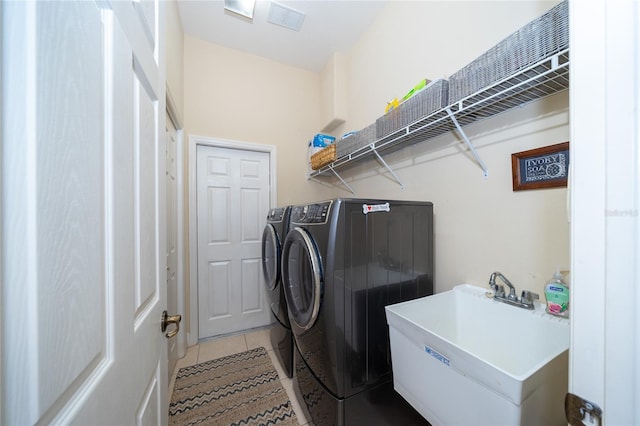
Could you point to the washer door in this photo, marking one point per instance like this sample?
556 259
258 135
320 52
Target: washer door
302 277
270 257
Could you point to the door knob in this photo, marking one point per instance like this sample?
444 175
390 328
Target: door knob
170 319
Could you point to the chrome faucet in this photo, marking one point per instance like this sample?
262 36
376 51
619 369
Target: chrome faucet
526 301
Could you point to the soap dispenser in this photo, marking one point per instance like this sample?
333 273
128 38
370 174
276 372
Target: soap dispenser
557 294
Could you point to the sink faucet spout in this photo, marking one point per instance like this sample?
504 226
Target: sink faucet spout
512 290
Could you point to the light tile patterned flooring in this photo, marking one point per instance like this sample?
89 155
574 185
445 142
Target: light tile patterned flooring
234 344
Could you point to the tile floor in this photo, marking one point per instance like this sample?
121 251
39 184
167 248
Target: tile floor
234 344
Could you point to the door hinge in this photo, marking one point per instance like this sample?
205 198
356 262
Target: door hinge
580 412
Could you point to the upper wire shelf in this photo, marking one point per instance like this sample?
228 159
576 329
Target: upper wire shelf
544 78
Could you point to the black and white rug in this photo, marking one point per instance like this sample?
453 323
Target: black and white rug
240 389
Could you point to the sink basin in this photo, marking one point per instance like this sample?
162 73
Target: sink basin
462 358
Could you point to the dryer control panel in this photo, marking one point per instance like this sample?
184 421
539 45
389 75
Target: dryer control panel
316 213
275 215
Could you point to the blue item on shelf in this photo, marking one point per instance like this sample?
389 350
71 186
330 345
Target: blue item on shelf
322 140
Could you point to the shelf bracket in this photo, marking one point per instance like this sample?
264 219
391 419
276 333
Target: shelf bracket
342 180
386 166
467 141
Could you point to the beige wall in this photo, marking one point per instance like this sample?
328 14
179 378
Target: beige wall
481 225
175 59
236 96
412 40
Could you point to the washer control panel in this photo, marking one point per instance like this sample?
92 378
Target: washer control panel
311 213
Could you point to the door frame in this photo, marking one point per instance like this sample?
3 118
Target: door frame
605 221
175 117
194 142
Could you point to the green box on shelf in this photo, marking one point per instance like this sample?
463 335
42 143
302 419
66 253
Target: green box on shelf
432 98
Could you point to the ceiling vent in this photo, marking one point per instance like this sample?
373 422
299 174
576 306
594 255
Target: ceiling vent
285 16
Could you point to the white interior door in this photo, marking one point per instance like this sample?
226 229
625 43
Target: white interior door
83 235
232 204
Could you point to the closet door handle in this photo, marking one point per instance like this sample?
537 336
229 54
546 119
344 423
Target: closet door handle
170 319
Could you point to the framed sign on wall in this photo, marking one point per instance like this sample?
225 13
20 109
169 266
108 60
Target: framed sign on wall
546 167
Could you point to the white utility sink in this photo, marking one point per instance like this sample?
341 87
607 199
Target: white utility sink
462 358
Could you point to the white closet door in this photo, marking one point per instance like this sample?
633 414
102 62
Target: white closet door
232 203
83 255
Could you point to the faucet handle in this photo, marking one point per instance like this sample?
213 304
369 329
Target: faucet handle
528 297
498 290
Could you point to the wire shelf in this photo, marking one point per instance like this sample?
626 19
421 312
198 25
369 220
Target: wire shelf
542 79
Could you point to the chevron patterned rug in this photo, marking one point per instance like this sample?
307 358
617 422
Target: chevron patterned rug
240 389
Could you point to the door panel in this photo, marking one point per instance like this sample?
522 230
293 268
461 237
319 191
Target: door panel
81 229
146 282
219 222
71 260
219 301
55 277
233 199
251 286
250 221
146 13
150 404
